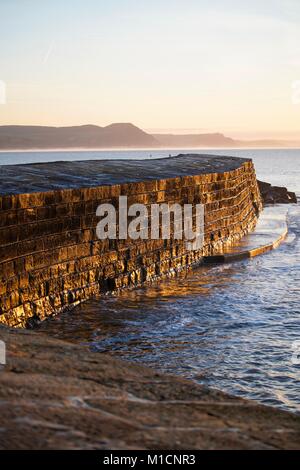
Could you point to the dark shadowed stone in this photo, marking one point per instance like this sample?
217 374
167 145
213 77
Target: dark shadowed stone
276 194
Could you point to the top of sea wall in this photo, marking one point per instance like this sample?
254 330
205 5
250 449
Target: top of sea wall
41 177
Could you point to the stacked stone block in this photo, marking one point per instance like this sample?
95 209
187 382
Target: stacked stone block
51 258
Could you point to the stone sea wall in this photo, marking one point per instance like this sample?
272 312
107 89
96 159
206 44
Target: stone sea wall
51 258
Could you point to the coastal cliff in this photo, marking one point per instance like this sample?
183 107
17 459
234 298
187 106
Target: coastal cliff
119 135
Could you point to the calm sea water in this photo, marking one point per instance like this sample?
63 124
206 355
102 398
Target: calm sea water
230 327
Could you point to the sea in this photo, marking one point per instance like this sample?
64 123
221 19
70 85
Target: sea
233 327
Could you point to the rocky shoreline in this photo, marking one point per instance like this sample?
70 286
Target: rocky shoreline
276 194
57 395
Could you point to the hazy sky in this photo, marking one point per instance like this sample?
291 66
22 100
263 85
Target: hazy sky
206 65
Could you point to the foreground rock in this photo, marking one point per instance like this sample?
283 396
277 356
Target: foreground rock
276 194
56 395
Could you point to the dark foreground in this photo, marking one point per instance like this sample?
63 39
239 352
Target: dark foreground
56 395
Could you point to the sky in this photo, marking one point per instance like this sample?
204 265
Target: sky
165 65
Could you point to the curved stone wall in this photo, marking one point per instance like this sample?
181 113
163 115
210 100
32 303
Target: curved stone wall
51 258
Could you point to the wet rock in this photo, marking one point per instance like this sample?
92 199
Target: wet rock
57 395
276 194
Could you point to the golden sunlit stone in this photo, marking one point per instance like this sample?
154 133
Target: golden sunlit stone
50 256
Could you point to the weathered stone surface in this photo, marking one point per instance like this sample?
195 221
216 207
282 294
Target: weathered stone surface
50 256
56 395
276 194
45 177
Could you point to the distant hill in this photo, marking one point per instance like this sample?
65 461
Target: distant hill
89 136
120 135
194 140
215 140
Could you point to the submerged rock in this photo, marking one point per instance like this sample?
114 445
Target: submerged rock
276 194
